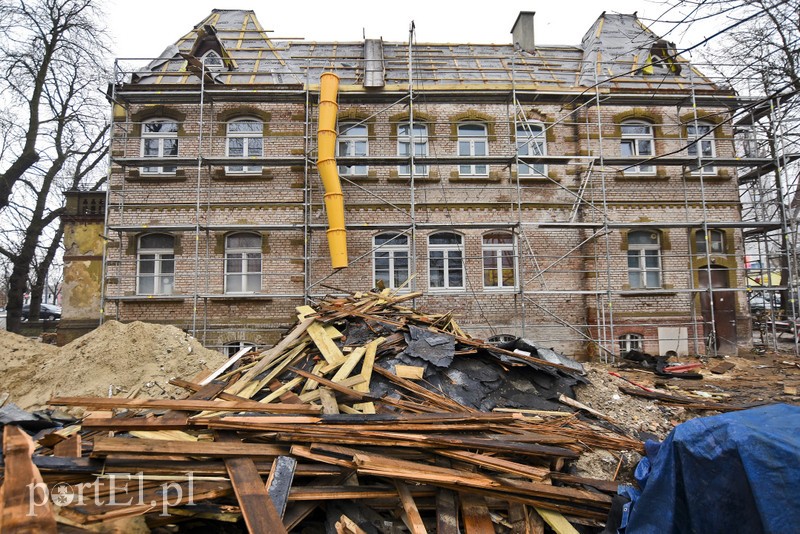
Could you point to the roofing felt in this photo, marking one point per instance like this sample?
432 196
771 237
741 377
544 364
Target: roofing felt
612 53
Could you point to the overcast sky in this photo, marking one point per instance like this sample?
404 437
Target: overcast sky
143 28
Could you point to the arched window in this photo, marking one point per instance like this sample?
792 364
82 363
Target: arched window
159 140
498 261
629 342
701 136
155 265
353 142
245 139
531 141
716 240
445 261
243 263
472 141
637 142
212 60
390 260
644 260
420 140
232 347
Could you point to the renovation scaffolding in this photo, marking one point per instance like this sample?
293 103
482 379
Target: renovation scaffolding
537 204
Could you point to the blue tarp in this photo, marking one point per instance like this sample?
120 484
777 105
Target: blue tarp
730 473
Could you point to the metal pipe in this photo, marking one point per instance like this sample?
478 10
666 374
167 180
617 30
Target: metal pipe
326 164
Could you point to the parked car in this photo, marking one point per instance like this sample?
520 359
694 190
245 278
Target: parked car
48 312
760 302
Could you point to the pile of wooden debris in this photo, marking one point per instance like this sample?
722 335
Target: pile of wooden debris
368 416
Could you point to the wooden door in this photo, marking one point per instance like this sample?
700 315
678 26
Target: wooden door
724 315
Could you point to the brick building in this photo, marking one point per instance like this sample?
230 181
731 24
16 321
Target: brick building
582 196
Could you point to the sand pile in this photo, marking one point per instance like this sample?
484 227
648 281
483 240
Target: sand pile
135 359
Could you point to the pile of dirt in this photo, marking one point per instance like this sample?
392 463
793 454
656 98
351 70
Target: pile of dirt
131 360
639 416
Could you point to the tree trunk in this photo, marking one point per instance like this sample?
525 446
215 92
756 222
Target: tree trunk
17 285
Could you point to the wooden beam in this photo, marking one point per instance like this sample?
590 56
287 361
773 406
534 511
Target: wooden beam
412 518
557 521
188 405
103 446
69 448
475 514
268 356
257 508
329 350
23 511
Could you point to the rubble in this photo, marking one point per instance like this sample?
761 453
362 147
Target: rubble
341 439
367 416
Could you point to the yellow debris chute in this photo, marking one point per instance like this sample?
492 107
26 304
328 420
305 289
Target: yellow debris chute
326 164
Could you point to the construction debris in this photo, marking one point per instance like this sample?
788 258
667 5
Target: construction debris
321 431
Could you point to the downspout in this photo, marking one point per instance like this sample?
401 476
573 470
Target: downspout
326 164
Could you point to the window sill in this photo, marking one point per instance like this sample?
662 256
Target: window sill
644 177
237 296
501 290
223 175
417 178
150 298
446 291
474 178
134 175
716 177
648 292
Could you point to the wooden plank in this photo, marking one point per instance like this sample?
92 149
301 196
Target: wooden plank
335 493
498 464
557 521
208 391
411 372
328 400
104 446
290 358
412 519
257 508
524 520
23 511
345 525
69 448
189 405
268 356
285 388
368 363
349 364
563 399
279 482
329 350
475 514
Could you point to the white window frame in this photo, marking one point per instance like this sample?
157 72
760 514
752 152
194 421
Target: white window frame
163 281
493 252
531 141
160 137
393 249
246 145
474 144
693 133
633 140
631 341
448 253
640 252
700 241
241 254
420 147
347 143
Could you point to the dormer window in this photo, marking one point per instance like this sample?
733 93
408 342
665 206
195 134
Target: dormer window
213 61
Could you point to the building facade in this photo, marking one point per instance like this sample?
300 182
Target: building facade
585 197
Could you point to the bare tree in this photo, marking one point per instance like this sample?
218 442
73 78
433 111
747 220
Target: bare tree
39 37
52 51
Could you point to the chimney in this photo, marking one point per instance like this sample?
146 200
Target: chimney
522 31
